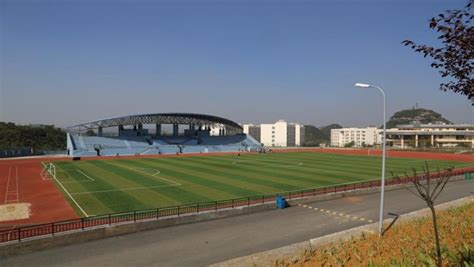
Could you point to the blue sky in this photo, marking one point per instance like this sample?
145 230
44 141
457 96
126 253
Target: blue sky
65 62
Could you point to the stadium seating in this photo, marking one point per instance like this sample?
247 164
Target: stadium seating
141 145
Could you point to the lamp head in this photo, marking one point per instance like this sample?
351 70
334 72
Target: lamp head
362 85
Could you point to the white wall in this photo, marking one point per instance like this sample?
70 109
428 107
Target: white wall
298 129
276 134
273 134
343 136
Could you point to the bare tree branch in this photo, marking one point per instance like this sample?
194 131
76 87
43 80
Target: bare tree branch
429 194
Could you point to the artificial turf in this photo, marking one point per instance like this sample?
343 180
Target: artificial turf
106 186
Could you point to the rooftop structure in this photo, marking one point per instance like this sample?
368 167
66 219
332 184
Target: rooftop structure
191 133
191 119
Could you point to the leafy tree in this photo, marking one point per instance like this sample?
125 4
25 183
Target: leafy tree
42 137
455 59
350 144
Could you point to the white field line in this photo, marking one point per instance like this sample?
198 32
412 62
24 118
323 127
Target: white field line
152 175
71 197
77 181
42 178
300 164
124 189
266 163
81 172
8 184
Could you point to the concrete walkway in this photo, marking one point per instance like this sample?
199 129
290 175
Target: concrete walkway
209 242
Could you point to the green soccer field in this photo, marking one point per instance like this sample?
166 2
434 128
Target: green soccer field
95 187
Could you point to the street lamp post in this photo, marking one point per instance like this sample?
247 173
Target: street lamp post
384 150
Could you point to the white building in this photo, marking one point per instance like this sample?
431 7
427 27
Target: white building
408 136
431 135
360 136
281 133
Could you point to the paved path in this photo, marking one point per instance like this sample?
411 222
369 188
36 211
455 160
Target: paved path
209 242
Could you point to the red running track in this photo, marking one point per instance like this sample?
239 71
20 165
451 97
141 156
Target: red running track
48 203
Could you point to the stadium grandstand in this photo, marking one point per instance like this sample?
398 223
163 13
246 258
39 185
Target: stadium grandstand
145 134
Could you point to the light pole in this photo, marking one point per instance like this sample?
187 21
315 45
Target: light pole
384 150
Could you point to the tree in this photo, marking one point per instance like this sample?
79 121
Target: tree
38 137
428 192
455 59
350 144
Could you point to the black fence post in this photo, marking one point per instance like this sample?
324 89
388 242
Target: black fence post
232 203
157 213
198 208
110 219
19 234
134 215
82 223
52 228
178 210
248 202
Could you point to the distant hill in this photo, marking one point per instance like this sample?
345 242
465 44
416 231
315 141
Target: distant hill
419 115
315 136
327 129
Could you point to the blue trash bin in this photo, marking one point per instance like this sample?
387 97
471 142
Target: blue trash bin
280 202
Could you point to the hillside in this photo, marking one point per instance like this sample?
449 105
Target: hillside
420 115
315 136
43 137
327 129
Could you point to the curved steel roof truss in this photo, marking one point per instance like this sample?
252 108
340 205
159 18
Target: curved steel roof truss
161 118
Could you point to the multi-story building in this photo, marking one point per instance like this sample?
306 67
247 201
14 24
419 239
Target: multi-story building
359 136
281 133
408 136
431 135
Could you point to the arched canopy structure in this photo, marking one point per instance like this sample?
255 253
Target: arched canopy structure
201 120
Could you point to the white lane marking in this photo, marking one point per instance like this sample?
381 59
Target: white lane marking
81 172
17 187
337 213
8 184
